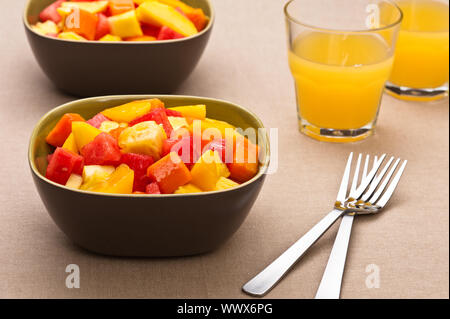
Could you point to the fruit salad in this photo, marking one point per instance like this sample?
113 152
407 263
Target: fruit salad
120 20
142 147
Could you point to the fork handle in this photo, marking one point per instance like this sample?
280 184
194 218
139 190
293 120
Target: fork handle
272 274
330 285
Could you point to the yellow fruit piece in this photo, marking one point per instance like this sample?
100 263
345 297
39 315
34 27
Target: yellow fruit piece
178 4
95 174
195 111
92 7
71 36
47 27
213 127
70 144
108 126
207 171
125 25
225 183
143 138
110 38
159 14
128 112
188 189
119 182
83 133
178 122
142 38
74 181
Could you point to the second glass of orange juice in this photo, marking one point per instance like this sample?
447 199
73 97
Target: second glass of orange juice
421 60
340 55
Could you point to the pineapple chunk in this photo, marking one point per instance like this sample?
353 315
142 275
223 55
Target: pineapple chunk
110 37
225 183
108 126
47 27
71 36
207 171
74 181
188 189
94 174
178 122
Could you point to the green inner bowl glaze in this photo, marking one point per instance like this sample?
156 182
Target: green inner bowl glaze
34 7
215 109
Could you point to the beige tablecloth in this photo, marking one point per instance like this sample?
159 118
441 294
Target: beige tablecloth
246 63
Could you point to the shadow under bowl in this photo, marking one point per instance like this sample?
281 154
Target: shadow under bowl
93 68
146 225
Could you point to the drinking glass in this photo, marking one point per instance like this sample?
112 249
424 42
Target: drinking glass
340 55
421 59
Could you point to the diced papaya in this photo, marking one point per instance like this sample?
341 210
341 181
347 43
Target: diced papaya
120 6
245 161
125 25
170 173
195 111
62 129
198 18
159 14
130 111
207 171
70 144
84 24
225 183
188 189
84 133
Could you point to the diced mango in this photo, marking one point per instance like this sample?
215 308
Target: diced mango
71 36
141 38
127 112
70 144
108 126
74 181
91 6
195 111
207 171
125 25
188 189
170 173
178 4
159 14
143 138
110 38
178 122
47 27
198 18
83 133
225 183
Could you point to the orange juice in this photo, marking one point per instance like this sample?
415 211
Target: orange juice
421 57
340 78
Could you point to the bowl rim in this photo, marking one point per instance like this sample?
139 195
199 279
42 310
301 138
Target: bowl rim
263 167
205 30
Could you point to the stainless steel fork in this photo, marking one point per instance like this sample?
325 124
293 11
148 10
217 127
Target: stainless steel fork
330 285
356 203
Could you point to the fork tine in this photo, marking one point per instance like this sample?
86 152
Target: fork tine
383 185
376 180
387 195
342 195
355 177
365 182
366 166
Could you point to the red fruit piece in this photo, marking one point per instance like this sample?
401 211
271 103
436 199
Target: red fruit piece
152 188
50 13
139 164
62 164
150 30
159 116
219 146
97 120
174 113
103 26
103 150
167 33
184 147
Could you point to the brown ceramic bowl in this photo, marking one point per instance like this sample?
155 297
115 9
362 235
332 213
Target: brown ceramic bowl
146 225
91 68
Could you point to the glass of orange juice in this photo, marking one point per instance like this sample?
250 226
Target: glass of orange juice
421 59
340 55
